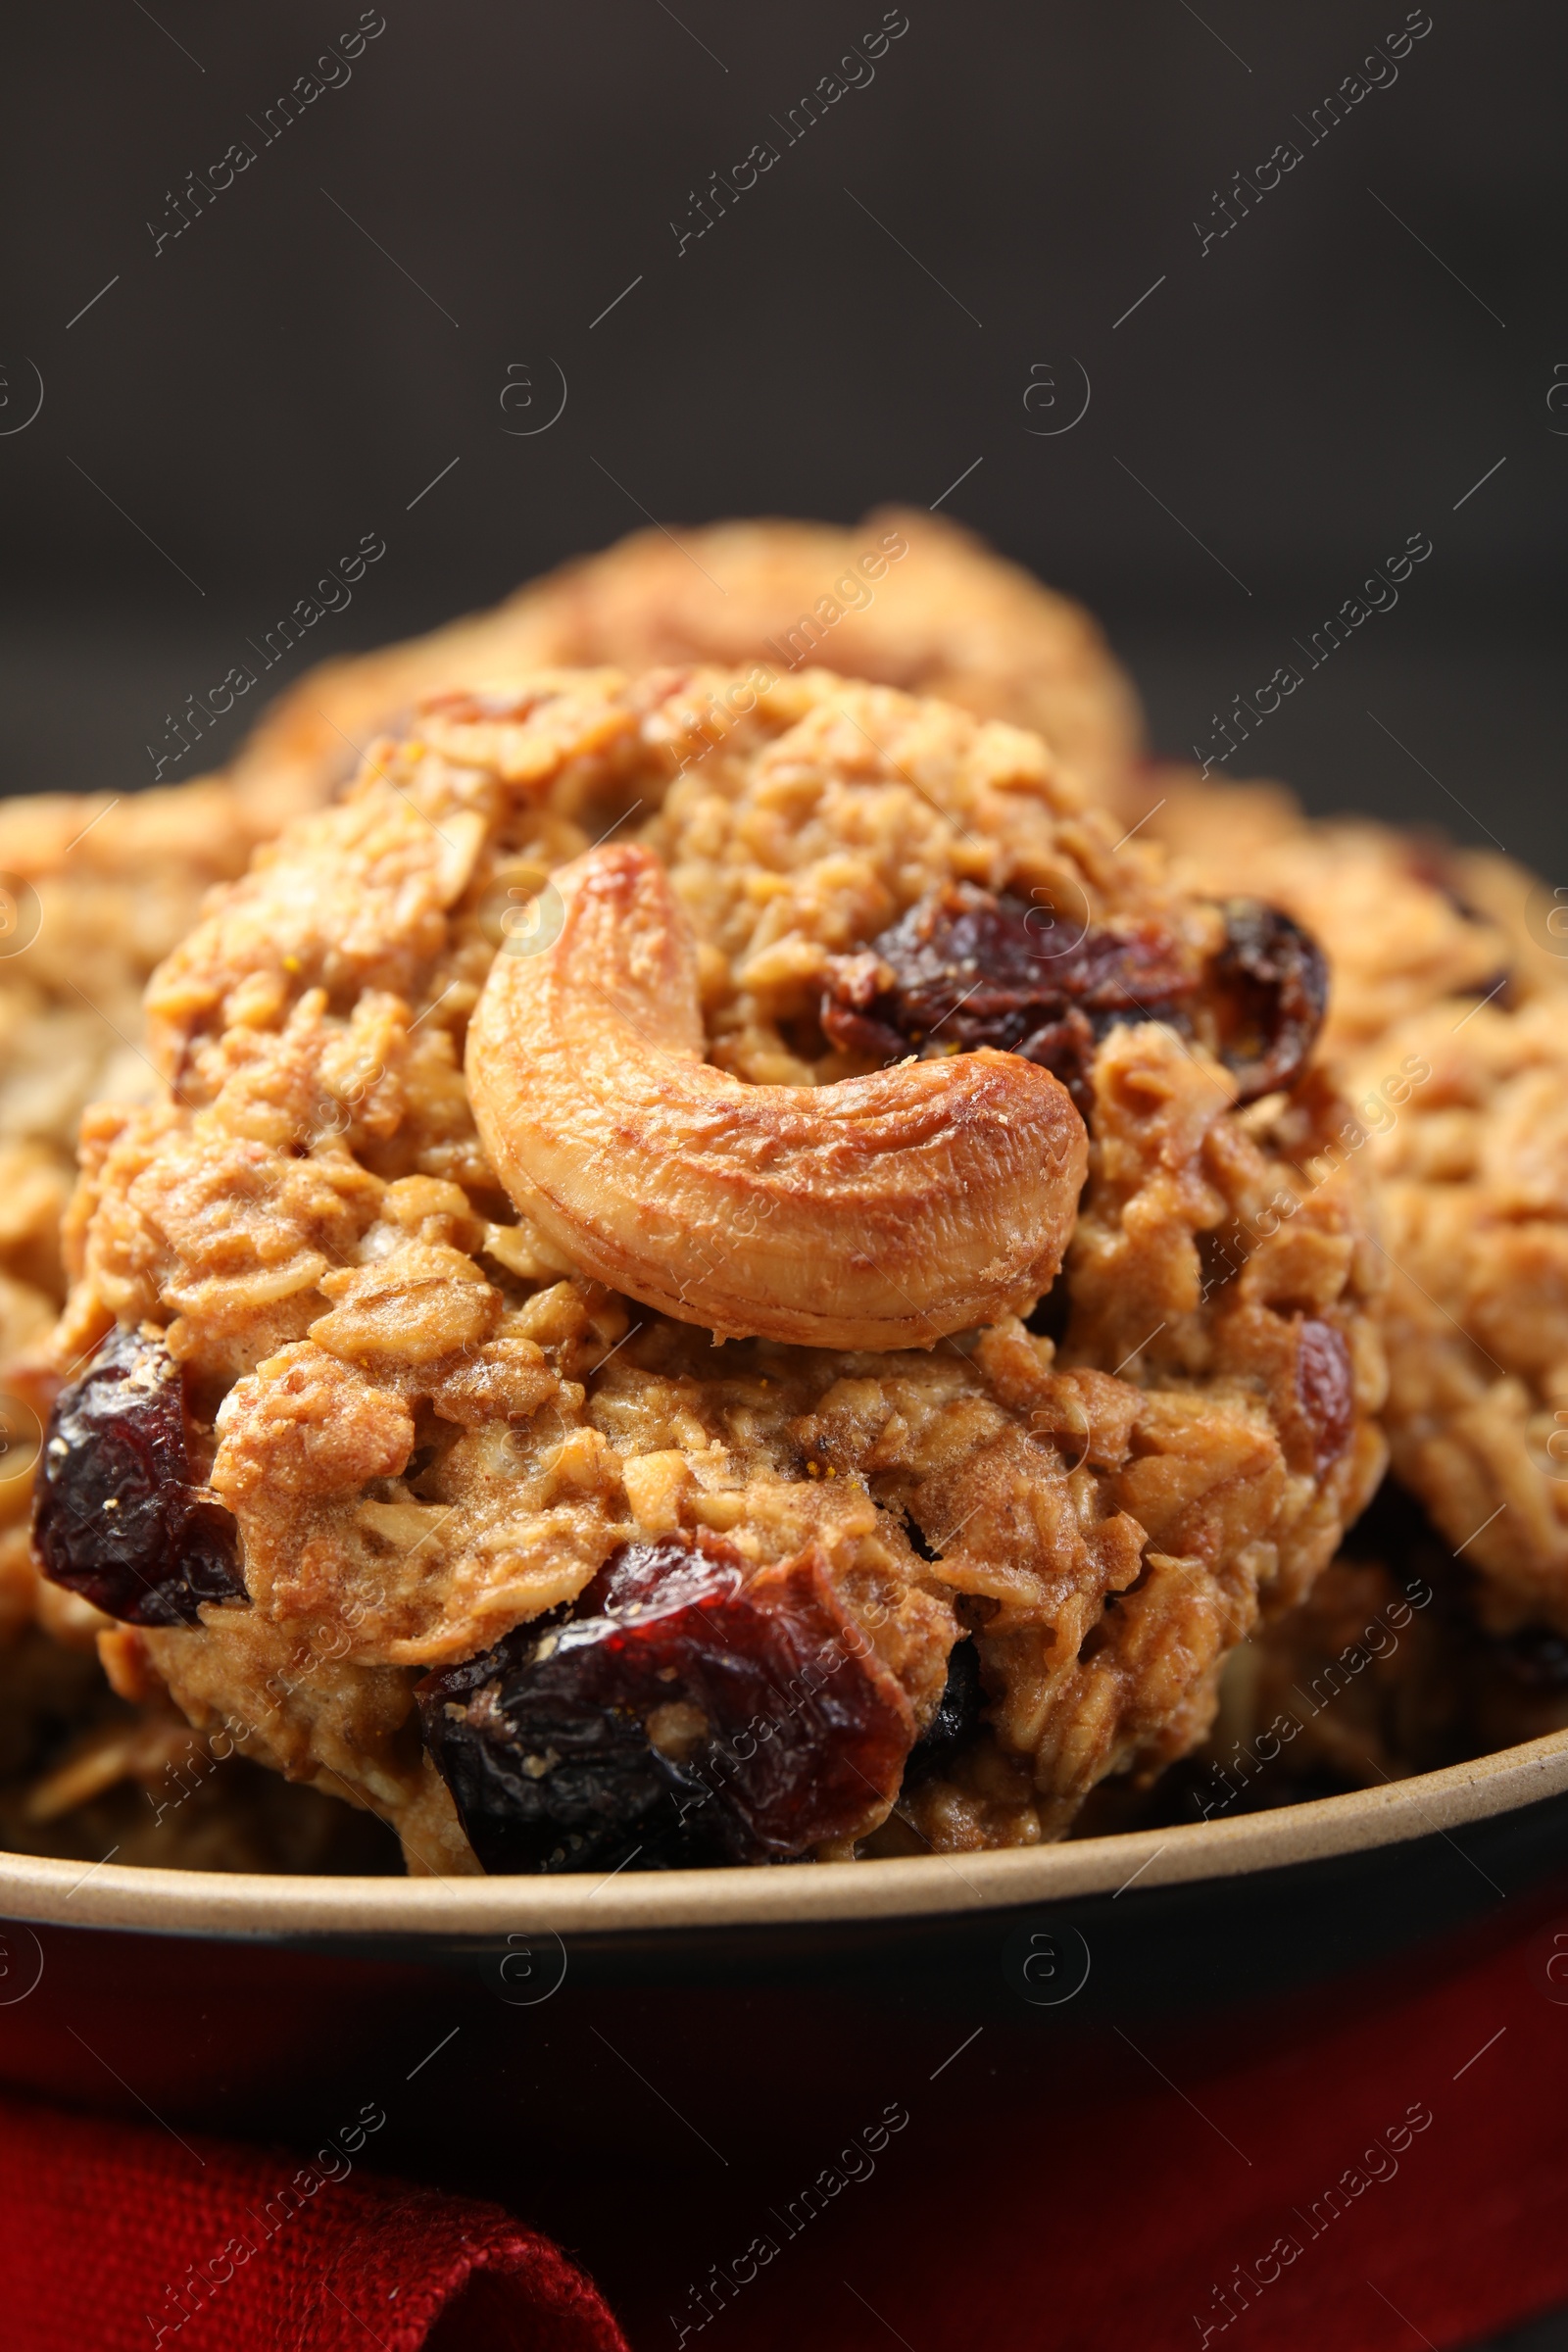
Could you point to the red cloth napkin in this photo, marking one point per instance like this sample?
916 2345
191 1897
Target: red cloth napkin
1399 2175
105 2242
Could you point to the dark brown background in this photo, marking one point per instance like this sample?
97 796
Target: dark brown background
1311 390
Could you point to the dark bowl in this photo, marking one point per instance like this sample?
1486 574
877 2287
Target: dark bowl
629 2063
249 2003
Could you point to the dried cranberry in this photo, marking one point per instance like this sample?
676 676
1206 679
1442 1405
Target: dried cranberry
964 969
668 1570
1269 988
956 1719
1325 1391
117 1517
703 1714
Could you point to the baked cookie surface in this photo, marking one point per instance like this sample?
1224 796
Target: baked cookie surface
95 891
98 891
1447 1031
1473 1194
462 1501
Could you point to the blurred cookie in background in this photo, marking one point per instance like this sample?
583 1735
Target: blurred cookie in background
1448 1032
902 599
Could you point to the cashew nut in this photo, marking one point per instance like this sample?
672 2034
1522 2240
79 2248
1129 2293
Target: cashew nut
881 1211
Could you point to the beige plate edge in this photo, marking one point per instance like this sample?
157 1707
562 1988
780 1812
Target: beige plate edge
248 1905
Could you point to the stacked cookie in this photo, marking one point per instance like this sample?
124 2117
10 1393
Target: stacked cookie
612 1014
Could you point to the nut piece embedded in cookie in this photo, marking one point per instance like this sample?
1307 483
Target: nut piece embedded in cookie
885 1210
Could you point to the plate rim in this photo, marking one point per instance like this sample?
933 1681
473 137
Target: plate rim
295 1907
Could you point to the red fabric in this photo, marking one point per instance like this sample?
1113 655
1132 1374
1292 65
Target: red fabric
1137 2215
101 2222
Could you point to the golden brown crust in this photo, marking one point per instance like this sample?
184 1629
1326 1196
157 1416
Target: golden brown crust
85 1774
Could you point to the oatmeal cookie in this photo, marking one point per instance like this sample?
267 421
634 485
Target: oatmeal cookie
497 1526
103 888
94 891
1472 1179
905 598
1447 1031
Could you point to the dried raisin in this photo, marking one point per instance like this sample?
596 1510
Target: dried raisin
118 1516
